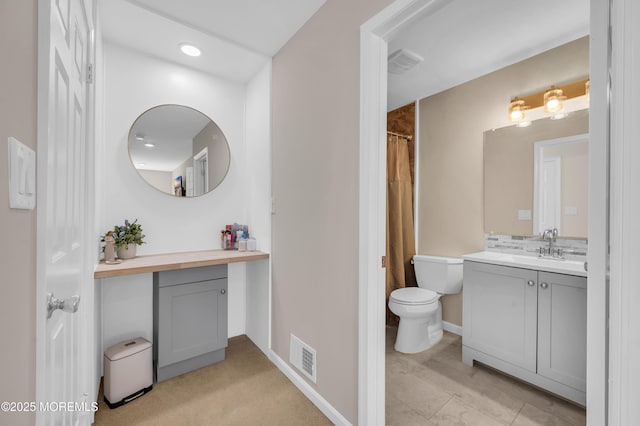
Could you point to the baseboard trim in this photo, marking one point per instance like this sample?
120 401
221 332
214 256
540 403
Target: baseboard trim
304 387
452 328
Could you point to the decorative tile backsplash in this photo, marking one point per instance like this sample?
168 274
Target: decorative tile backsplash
573 249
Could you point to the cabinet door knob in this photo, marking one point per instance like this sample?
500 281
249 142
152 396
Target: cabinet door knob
544 285
530 283
223 291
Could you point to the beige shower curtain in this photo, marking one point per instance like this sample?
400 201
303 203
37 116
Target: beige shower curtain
400 237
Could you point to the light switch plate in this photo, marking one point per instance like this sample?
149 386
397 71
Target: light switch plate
571 211
524 214
22 176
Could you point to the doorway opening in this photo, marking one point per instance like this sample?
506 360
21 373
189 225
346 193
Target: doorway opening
400 219
375 35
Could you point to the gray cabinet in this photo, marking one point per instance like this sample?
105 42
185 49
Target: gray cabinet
527 323
190 319
491 295
562 328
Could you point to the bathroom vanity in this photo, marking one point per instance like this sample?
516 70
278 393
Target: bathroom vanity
190 310
527 317
189 319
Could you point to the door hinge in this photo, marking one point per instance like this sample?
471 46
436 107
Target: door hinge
384 261
90 73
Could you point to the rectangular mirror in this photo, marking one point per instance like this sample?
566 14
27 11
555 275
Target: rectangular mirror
535 177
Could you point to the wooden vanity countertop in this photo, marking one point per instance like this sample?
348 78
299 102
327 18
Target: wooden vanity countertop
171 261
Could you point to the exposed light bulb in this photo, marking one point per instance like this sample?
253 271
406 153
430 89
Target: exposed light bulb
516 110
516 115
553 104
553 100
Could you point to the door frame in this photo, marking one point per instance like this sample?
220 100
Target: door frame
201 166
539 191
538 157
374 37
624 209
88 379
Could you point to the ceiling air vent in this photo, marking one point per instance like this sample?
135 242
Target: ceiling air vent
402 61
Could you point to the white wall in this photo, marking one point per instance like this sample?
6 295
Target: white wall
134 83
258 167
258 156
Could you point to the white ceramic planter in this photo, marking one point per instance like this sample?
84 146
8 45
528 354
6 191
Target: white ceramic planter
127 253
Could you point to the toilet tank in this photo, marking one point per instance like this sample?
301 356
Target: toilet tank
440 274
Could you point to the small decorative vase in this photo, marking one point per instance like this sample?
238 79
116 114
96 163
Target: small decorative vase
109 249
127 253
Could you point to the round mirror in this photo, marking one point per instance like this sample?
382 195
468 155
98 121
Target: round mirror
179 150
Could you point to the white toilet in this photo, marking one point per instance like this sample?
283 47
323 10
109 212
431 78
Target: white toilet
419 308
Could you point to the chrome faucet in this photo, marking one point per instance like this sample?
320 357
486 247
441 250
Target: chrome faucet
550 235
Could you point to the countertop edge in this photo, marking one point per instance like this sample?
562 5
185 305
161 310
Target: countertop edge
474 257
173 261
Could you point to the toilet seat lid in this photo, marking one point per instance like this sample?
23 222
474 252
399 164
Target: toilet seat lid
414 296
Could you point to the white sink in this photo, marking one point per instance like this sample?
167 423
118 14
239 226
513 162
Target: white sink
570 267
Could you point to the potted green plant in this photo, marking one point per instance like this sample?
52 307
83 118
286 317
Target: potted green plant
127 238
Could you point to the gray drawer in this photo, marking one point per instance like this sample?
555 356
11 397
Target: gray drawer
190 275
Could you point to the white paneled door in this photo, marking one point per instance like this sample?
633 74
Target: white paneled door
63 349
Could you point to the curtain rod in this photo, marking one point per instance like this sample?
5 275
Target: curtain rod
398 134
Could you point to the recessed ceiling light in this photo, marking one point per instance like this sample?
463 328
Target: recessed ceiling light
189 49
149 145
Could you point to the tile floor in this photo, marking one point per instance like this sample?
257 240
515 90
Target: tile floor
435 388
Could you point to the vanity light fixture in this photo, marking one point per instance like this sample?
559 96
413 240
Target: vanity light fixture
553 99
516 110
587 90
189 49
550 103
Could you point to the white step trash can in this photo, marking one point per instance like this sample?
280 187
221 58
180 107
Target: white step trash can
128 371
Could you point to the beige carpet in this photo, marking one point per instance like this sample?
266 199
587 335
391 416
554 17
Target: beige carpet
244 389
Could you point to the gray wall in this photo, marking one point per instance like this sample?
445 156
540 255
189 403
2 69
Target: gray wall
18 101
213 138
315 100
